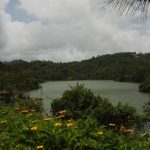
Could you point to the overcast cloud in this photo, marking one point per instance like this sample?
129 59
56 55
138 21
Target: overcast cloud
3 39
68 30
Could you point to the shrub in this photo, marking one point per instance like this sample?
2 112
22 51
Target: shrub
77 100
83 103
29 103
145 86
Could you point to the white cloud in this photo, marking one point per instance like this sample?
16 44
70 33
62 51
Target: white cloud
69 30
2 29
57 10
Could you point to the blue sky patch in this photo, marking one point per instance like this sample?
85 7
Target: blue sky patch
18 14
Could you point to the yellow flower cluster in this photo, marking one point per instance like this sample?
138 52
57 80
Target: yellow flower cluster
129 131
24 111
40 147
112 124
29 114
99 133
33 110
124 130
34 128
121 129
70 123
47 119
61 116
3 122
62 111
58 124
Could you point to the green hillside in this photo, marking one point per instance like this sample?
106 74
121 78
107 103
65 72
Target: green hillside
127 66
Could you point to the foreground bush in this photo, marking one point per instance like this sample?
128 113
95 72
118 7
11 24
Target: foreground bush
29 103
83 103
29 130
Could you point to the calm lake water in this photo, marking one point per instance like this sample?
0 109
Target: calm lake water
115 91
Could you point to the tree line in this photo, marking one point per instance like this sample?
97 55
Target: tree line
125 67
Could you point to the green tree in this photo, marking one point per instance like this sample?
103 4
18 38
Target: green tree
82 103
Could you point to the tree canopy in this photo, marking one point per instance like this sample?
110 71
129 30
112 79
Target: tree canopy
129 67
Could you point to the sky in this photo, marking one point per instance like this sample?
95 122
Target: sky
67 30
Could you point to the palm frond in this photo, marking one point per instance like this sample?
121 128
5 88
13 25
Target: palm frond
129 6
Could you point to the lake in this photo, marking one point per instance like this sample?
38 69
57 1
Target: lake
124 92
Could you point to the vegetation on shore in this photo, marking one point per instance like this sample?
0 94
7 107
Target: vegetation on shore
145 86
80 121
129 67
82 103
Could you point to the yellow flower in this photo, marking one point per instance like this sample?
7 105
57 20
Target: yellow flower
70 120
69 124
61 116
62 111
24 111
33 128
33 110
99 133
129 131
47 119
3 122
29 115
112 124
122 128
40 147
58 124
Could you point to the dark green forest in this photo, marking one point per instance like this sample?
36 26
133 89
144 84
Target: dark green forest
125 67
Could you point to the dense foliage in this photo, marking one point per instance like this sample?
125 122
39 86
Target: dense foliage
82 103
127 66
27 129
81 121
145 86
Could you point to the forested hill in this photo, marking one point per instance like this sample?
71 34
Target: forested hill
127 66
